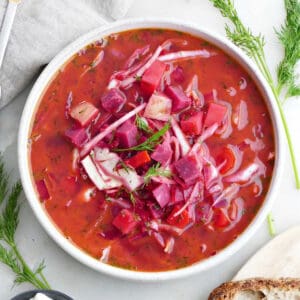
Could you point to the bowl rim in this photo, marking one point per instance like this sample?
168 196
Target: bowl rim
32 103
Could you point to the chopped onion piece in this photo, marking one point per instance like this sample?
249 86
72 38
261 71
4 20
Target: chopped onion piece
96 176
169 228
136 55
120 202
193 92
228 194
184 145
93 142
242 83
180 55
75 159
159 238
98 59
249 173
105 254
207 133
191 199
242 115
169 245
88 194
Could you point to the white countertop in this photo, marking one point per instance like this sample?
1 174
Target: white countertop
69 276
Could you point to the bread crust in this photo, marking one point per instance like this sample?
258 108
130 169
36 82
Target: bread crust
227 290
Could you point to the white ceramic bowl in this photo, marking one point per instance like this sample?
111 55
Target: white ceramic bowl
33 102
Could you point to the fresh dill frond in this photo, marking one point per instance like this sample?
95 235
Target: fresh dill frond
3 181
289 36
10 214
253 45
125 167
132 198
9 220
142 124
150 143
156 170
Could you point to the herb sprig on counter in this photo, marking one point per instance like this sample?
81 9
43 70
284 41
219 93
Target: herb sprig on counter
253 45
289 35
9 220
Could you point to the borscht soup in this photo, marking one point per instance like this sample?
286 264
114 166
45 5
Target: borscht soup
151 149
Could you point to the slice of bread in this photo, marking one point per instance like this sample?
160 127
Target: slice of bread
258 288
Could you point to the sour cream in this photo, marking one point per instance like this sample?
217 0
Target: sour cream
40 296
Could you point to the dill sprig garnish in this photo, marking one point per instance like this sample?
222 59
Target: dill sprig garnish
9 220
289 36
141 124
253 45
150 143
156 170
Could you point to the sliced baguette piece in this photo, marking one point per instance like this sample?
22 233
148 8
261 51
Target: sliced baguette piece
280 258
258 288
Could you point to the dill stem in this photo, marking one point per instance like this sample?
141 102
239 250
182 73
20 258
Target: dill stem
270 219
260 61
288 136
37 282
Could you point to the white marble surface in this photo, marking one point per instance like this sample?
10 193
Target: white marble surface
66 274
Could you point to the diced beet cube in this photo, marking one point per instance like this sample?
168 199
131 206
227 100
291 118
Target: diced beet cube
77 136
192 125
152 76
42 189
188 169
113 100
177 75
176 195
215 114
125 221
162 194
163 153
84 113
158 107
180 100
127 134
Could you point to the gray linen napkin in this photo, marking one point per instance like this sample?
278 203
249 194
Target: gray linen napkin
42 28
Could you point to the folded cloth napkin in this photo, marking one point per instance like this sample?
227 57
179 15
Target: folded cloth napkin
43 27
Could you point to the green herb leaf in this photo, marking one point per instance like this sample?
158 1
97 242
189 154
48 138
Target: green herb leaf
132 198
9 220
253 45
141 124
150 143
10 214
289 36
156 170
3 181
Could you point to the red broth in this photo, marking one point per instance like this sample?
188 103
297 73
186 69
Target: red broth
242 157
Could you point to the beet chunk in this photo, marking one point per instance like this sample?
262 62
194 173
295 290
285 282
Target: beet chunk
162 194
76 136
179 99
188 169
113 100
163 153
127 134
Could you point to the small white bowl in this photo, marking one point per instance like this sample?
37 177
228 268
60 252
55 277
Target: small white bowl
32 105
